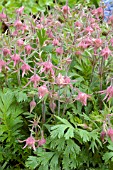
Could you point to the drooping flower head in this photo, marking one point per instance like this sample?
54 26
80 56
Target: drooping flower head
32 105
106 52
16 59
42 91
25 68
66 9
110 133
82 97
30 142
47 67
34 79
108 92
3 64
20 10
6 51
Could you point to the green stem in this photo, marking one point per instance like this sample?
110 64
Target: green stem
59 101
43 111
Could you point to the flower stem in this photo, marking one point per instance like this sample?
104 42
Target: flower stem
43 111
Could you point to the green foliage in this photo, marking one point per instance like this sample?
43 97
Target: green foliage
10 127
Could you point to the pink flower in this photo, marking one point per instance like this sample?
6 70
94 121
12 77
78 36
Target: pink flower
85 43
97 42
25 68
2 16
78 24
3 65
108 92
6 52
20 42
42 91
50 34
92 20
105 52
95 26
47 66
111 41
67 80
60 79
24 28
30 142
89 30
41 142
39 26
18 24
52 105
15 58
55 42
82 97
32 105
28 49
35 79
102 135
20 10
100 11
66 9
110 133
59 50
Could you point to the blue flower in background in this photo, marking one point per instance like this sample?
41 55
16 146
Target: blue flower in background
108 10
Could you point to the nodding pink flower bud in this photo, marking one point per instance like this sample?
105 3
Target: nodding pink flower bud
66 9
92 20
24 28
106 52
78 53
55 42
78 24
85 43
95 26
41 142
60 79
2 64
25 68
15 58
82 97
32 105
111 41
47 66
15 33
50 34
100 11
30 142
39 26
110 21
42 91
89 30
67 80
52 106
6 52
28 49
110 133
59 50
102 135
108 92
20 42
97 42
18 24
20 10
2 16
34 79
